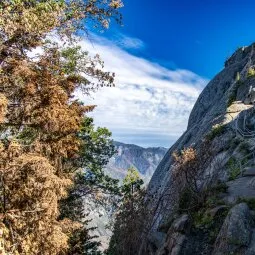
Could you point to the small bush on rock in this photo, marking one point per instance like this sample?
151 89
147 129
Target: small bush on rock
217 130
233 169
251 72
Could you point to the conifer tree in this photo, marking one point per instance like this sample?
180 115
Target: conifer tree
129 218
90 182
40 118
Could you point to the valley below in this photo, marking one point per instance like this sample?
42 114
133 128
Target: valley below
145 160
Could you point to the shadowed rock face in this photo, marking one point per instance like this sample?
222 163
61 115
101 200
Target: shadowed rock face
221 102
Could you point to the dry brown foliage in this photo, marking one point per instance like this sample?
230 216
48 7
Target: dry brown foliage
40 119
3 107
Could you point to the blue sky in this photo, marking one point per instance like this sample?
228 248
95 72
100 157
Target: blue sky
196 35
163 57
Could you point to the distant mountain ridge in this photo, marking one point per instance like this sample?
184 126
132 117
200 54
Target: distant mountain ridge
145 160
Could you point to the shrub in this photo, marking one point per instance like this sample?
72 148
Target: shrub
244 147
188 172
187 201
235 142
233 169
202 220
237 77
197 200
231 99
233 92
208 225
251 72
220 187
217 130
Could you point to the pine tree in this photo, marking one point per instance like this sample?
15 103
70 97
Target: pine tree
129 218
90 181
40 118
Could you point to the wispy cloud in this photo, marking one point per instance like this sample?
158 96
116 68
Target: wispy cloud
148 101
120 40
127 42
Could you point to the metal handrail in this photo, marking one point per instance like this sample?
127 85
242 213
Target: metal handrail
245 117
245 132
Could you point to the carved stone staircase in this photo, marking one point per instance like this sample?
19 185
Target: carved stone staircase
242 126
246 130
244 185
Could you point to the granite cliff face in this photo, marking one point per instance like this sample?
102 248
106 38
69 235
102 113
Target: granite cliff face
223 118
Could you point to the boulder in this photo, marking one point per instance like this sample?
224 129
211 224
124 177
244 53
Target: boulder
240 188
176 236
216 211
182 224
236 231
251 248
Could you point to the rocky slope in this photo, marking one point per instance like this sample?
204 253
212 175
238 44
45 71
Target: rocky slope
145 160
221 218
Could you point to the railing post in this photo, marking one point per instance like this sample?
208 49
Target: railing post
236 125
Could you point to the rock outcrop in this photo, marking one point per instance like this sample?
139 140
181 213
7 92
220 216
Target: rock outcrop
176 236
224 119
236 231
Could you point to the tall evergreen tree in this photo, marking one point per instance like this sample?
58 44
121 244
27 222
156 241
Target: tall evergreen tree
129 218
90 181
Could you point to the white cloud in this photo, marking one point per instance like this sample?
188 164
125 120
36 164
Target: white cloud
122 41
148 100
127 42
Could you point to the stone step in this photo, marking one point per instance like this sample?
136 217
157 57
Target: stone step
249 171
